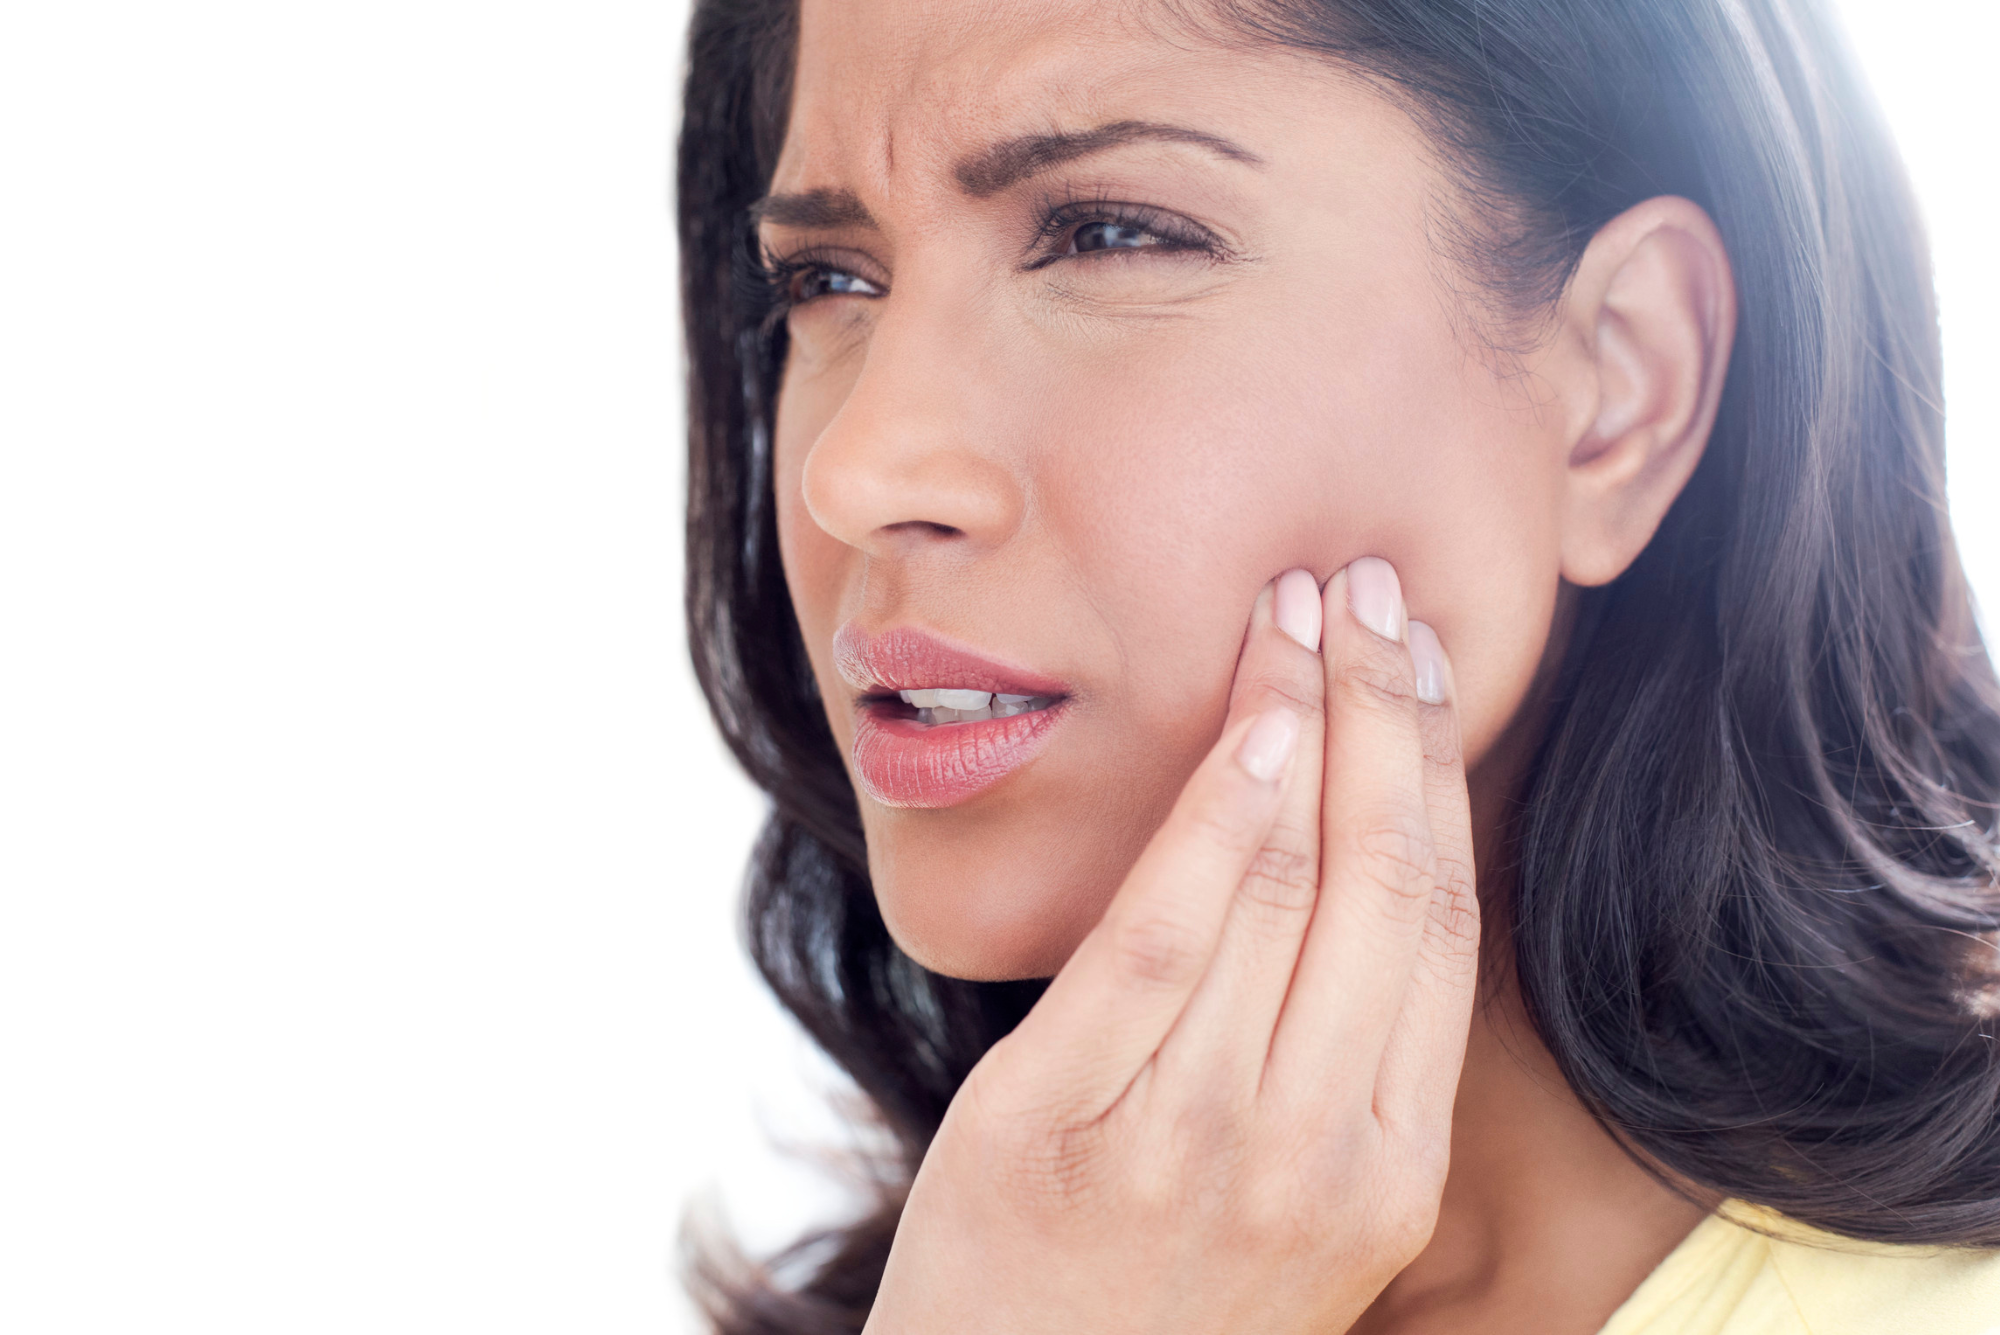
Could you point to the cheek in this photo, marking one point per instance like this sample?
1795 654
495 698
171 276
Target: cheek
1187 481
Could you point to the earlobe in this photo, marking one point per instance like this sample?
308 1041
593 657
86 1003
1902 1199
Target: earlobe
1652 309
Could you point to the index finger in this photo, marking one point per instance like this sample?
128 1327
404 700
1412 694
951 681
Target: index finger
1222 1042
1378 859
1117 998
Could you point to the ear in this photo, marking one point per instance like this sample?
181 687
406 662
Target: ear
1646 328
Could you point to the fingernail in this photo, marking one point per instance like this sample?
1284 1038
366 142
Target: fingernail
1433 671
1375 596
1267 748
1298 610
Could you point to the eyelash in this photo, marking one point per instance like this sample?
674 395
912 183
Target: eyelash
1173 234
1061 218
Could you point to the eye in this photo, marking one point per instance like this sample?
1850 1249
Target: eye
812 281
1098 227
1105 235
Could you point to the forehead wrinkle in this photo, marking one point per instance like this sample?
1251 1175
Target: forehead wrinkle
888 99
993 169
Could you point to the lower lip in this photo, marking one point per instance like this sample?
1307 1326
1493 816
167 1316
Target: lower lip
904 763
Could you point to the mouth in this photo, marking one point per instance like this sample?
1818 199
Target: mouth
937 724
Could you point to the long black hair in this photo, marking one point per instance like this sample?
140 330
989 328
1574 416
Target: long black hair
1753 863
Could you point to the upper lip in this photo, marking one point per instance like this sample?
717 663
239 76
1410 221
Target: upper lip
904 658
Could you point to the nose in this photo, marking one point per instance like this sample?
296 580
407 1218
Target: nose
909 463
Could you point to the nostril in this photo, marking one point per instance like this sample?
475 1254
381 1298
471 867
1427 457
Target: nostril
909 485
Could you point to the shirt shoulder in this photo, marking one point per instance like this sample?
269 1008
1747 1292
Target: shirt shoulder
1841 1287
1746 1271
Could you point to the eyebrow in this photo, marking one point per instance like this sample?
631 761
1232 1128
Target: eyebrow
1011 161
991 170
813 208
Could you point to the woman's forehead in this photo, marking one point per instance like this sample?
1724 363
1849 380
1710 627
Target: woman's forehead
924 83
909 44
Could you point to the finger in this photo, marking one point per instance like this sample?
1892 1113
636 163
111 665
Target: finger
1220 1043
1377 866
1104 1016
1426 1048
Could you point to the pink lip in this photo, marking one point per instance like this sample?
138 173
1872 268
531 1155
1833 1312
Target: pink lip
903 763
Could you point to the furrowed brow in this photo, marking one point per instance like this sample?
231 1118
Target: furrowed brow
992 170
813 209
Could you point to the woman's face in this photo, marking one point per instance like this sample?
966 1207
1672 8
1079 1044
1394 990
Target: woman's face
1099 327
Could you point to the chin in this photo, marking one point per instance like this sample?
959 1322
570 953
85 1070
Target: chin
961 907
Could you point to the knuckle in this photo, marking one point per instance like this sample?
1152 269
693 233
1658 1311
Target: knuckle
1159 952
1380 680
1395 855
1443 746
1452 939
1209 1150
1295 1197
1456 875
1268 690
1457 941
1429 1159
1282 877
1404 1233
1268 1210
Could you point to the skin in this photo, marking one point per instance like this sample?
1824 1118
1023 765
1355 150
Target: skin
1095 464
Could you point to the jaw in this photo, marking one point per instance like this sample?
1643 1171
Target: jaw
1000 890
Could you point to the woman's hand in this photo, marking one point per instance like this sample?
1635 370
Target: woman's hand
1232 1109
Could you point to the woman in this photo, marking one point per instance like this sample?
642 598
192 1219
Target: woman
1175 488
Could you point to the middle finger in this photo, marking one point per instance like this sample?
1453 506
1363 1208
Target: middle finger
1220 1043
1378 862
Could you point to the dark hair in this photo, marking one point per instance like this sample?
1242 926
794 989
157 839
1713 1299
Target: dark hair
1754 859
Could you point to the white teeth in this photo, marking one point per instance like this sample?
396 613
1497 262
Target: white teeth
954 706
946 699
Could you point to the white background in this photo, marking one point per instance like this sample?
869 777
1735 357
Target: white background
367 864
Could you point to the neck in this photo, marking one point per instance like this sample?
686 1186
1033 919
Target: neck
1546 1224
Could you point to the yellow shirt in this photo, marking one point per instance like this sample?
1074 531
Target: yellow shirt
1728 1279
